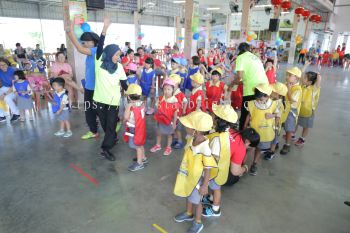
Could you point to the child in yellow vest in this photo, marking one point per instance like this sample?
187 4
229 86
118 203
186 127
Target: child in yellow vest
262 113
292 106
225 119
279 91
310 95
197 168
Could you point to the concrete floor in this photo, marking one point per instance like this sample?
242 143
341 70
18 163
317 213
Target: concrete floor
301 192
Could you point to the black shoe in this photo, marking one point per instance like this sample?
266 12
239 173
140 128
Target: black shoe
253 170
277 146
285 150
14 118
2 119
108 155
269 155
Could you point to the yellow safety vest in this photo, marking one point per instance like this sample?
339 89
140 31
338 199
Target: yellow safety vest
224 157
264 127
191 170
309 100
288 105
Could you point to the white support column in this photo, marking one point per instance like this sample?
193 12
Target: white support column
188 27
137 25
334 41
177 29
276 15
245 19
228 28
208 35
293 44
75 59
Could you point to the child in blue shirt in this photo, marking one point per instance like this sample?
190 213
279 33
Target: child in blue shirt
147 83
60 107
24 95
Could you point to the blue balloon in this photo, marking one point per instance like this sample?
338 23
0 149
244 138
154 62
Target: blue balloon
196 36
142 35
85 27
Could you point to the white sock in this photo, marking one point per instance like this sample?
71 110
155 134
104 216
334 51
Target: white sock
216 207
211 198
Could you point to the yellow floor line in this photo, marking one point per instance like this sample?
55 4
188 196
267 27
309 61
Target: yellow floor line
159 228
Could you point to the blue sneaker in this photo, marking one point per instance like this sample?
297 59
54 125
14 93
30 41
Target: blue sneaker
209 212
206 200
174 142
196 227
183 217
178 145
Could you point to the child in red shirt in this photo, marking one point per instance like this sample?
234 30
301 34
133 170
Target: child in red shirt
135 120
270 69
182 100
166 116
215 89
197 98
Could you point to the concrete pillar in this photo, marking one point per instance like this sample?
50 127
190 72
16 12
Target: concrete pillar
228 28
293 44
188 28
137 25
75 59
308 25
177 29
276 15
334 41
208 35
245 20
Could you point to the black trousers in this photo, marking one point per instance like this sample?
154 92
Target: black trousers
90 110
302 58
108 116
231 179
244 111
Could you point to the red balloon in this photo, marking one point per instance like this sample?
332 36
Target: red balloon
286 5
299 11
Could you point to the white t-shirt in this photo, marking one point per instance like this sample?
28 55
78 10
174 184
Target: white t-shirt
202 148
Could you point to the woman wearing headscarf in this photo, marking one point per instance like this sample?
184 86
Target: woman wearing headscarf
109 77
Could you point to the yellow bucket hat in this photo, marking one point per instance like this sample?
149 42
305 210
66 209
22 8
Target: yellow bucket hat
280 88
219 70
133 89
176 78
198 78
294 71
264 88
225 112
198 120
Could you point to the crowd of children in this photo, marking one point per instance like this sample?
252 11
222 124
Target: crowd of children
195 99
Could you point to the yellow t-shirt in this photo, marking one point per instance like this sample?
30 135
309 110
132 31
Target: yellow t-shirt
107 86
253 72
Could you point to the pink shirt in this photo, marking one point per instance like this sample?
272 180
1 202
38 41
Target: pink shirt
58 69
271 76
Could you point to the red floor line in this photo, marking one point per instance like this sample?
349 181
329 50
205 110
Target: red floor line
83 173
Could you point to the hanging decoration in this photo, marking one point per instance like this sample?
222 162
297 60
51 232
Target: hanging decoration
286 5
299 11
306 14
298 39
276 3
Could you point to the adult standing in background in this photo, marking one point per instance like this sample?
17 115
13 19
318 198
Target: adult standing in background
250 71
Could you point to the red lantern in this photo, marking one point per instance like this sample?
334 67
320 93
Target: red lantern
319 18
286 5
299 11
313 18
306 14
276 3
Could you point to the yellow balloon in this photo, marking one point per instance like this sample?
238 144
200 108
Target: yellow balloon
255 36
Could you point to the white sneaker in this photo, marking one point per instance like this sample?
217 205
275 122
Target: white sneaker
31 118
59 133
68 134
